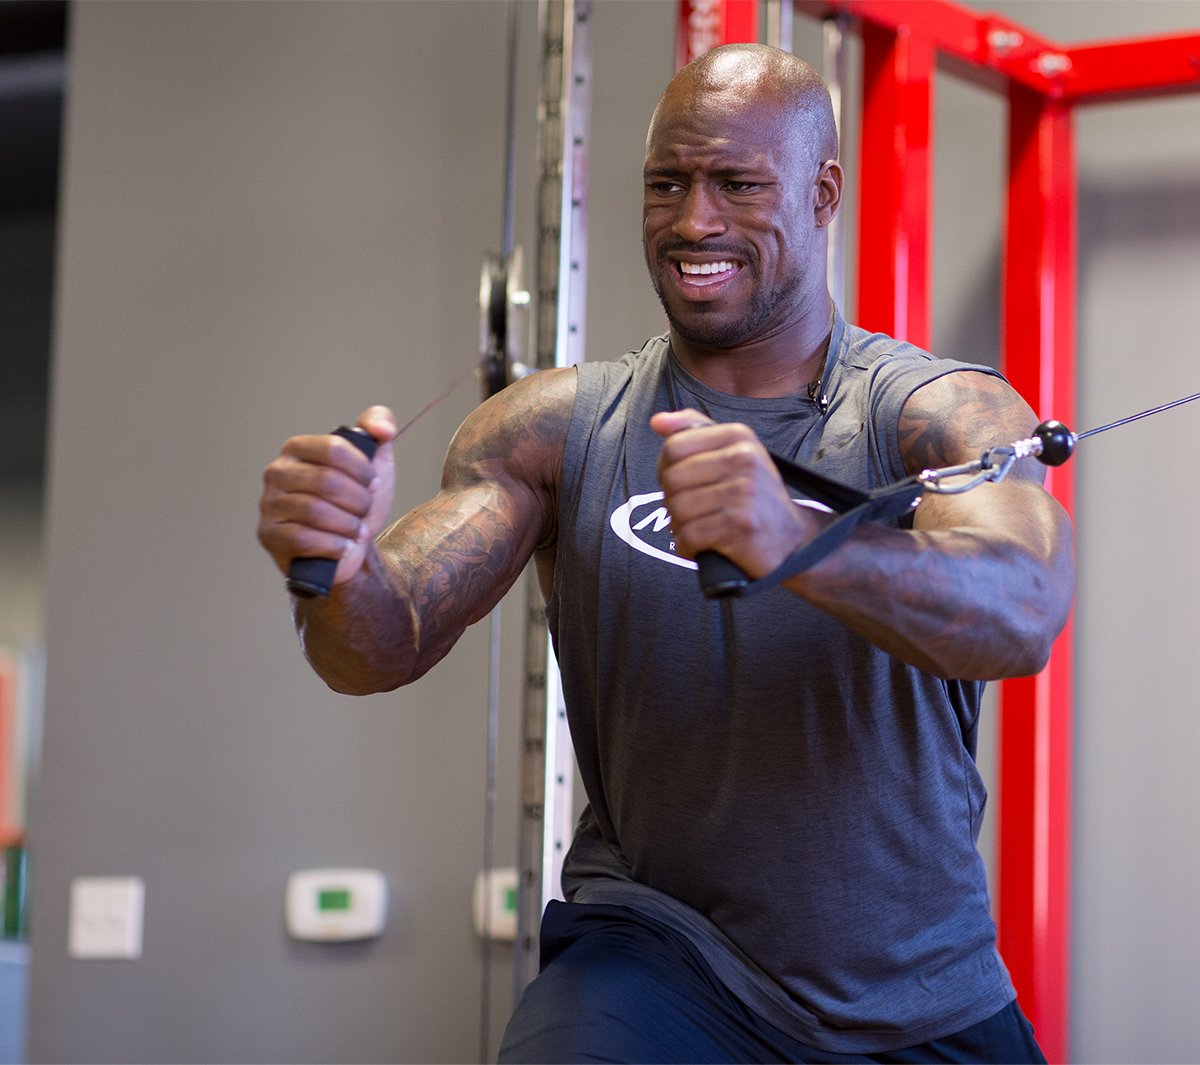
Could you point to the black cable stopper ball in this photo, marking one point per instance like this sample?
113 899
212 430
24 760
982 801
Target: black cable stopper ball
1057 442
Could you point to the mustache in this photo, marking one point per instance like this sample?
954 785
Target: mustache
683 247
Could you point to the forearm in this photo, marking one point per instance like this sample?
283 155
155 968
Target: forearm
400 601
960 602
365 636
432 574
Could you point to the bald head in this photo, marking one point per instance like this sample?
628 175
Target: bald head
744 74
749 73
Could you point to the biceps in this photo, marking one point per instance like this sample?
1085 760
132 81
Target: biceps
1015 514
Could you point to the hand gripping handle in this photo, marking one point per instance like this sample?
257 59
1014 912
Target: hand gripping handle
309 578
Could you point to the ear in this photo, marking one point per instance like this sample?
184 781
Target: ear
827 192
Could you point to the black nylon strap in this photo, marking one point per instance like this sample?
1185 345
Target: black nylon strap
852 505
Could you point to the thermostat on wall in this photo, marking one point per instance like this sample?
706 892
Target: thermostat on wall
335 905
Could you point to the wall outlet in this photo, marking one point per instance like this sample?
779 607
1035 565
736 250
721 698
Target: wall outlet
106 917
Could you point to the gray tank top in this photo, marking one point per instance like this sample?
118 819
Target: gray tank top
801 805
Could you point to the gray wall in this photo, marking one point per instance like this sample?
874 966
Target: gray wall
274 214
1136 845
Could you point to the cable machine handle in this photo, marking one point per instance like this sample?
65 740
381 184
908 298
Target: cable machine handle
719 577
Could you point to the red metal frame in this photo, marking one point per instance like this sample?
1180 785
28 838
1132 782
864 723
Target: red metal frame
704 24
895 180
1034 727
1132 69
1042 81
903 42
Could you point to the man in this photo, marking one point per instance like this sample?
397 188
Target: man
778 857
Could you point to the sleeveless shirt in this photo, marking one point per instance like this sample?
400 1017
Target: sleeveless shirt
799 804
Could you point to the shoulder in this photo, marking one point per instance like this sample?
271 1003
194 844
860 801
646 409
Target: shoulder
885 364
913 399
955 417
519 432
607 374
874 375
523 430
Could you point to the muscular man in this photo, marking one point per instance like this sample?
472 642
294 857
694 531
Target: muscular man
777 860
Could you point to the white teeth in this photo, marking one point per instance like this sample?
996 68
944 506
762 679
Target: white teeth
705 268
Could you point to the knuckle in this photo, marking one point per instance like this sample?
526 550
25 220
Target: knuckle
324 481
747 452
274 470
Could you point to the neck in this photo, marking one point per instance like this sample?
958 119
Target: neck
782 364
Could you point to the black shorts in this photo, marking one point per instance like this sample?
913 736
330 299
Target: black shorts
617 986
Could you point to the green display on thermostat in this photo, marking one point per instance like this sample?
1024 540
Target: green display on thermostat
333 899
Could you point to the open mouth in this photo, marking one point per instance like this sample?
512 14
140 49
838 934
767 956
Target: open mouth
704 275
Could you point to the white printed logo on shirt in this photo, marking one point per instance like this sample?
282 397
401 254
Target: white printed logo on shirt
639 519
640 516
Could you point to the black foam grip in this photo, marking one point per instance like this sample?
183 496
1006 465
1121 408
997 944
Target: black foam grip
311 578
719 577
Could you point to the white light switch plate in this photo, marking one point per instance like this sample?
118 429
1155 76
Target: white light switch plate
106 917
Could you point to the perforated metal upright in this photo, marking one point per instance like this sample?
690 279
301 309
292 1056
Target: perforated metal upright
547 763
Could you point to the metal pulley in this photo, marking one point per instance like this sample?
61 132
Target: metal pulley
503 322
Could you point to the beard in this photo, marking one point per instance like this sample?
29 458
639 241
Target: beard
708 327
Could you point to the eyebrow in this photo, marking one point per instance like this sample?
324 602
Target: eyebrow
761 176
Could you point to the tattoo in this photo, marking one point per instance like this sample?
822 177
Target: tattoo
457 554
460 553
957 417
446 563
518 437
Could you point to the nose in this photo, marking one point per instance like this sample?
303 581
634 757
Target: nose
699 215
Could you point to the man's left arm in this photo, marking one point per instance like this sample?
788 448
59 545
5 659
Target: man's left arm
982 585
979 588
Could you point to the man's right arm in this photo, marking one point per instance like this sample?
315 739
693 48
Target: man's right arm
402 598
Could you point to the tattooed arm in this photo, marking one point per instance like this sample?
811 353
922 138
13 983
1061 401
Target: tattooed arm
983 584
401 600
978 589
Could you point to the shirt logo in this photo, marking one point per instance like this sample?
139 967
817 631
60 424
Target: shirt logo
640 516
647 528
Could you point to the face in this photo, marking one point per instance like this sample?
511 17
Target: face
728 219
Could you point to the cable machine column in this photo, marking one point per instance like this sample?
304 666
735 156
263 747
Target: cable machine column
547 763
